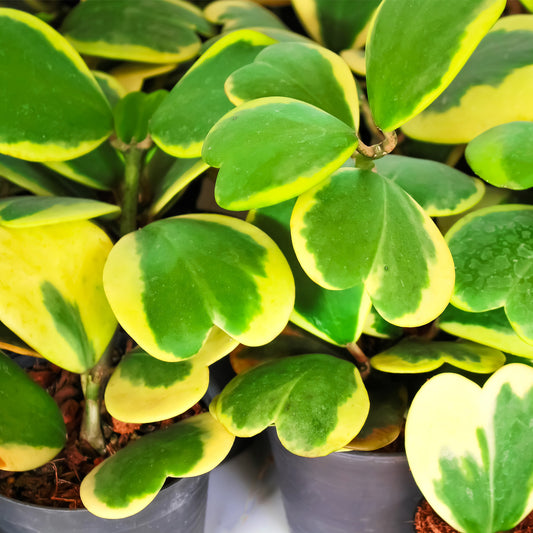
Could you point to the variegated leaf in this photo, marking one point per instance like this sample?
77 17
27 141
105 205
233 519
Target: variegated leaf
171 282
469 448
317 402
359 227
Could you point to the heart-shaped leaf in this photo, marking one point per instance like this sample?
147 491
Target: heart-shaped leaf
386 419
441 190
168 186
183 120
377 326
305 72
235 15
491 328
493 254
401 80
168 292
52 295
41 124
100 169
27 211
528 4
272 149
32 431
144 389
110 86
492 88
317 402
154 31
335 316
11 342
359 227
469 448
128 481
336 25
132 76
494 156
413 356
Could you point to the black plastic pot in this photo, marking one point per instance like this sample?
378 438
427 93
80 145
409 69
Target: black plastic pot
178 508
346 492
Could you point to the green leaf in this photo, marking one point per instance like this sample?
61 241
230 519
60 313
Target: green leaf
133 113
496 156
32 431
41 124
335 316
144 389
386 419
100 169
305 72
413 356
183 120
235 15
493 251
152 31
492 88
110 86
128 481
337 25
27 211
168 292
469 450
272 149
377 326
439 189
30 176
528 4
173 182
359 227
401 80
317 402
52 295
491 328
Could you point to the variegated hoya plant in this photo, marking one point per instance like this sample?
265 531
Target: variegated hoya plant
357 247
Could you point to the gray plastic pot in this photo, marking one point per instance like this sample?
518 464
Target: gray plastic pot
346 492
178 508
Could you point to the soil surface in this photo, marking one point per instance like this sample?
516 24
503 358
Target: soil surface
57 483
427 521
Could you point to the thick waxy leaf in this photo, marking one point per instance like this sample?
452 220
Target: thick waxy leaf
305 72
377 326
493 88
30 176
144 389
496 155
272 149
175 279
356 60
402 81
491 328
41 124
317 402
132 76
413 356
32 431
154 31
181 123
493 254
388 404
528 4
132 114
241 14
110 86
441 190
469 448
335 316
51 294
336 25
10 341
27 211
359 227
100 169
173 182
128 481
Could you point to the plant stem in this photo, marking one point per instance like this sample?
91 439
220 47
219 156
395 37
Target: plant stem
380 149
91 383
363 362
130 194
